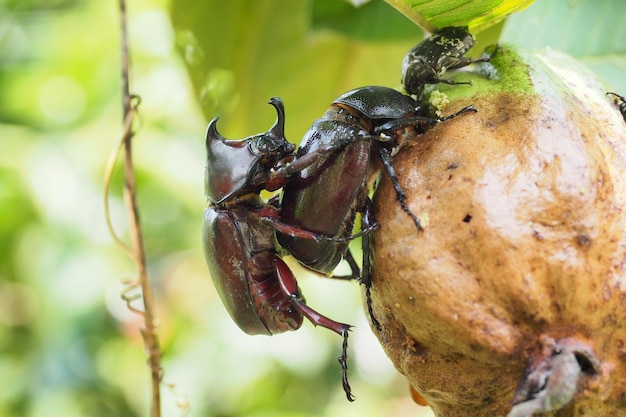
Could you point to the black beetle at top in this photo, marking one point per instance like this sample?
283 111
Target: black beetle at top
429 59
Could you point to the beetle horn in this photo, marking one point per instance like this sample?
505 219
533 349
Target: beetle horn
212 134
278 130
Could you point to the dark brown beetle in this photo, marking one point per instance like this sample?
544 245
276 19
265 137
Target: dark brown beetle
258 289
361 127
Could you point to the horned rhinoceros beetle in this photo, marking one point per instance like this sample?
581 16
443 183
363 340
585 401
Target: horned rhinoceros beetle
257 288
444 50
360 126
620 101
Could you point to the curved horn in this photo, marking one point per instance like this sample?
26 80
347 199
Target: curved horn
278 130
212 134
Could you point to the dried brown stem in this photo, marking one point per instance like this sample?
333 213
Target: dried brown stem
149 332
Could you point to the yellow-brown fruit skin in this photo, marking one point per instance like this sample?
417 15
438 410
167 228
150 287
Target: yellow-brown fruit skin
525 203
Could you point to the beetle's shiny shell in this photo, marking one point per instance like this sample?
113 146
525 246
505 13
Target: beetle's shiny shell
378 103
322 198
239 251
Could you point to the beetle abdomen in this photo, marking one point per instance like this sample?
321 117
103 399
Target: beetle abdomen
244 271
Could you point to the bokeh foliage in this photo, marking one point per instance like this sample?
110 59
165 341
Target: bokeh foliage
68 345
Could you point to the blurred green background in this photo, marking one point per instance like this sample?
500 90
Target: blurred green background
68 344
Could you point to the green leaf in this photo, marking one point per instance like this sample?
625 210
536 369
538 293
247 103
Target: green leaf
592 31
477 14
241 53
373 21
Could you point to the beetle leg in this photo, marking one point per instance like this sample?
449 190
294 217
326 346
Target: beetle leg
343 362
367 219
385 156
271 214
318 237
466 109
385 153
403 123
463 62
289 287
450 82
356 271
460 63
280 176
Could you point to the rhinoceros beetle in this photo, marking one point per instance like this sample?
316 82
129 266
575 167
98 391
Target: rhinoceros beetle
257 288
360 127
620 101
444 50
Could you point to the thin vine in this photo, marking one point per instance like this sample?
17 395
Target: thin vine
136 249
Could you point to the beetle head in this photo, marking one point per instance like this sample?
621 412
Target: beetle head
237 167
415 71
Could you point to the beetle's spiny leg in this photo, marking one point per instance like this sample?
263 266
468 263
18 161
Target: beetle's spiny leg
466 109
450 82
349 238
307 234
343 361
370 309
463 62
339 328
289 287
316 318
385 156
366 277
383 130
